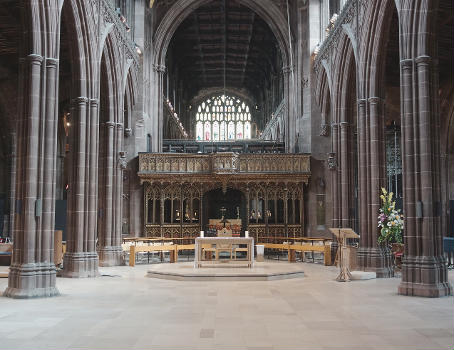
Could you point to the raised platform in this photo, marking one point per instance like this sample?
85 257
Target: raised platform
262 271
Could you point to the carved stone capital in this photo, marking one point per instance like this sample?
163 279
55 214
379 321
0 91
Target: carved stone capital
406 63
158 68
128 132
324 129
361 102
94 102
423 60
332 161
110 124
343 125
287 69
122 164
35 59
79 100
51 62
374 100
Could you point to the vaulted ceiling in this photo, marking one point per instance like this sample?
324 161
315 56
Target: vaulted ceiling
224 43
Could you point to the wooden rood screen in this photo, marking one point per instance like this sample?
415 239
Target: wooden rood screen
272 185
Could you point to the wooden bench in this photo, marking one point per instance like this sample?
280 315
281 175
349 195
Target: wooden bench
152 248
325 249
6 252
293 248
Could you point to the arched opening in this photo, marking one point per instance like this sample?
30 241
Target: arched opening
67 91
352 146
445 52
392 107
227 47
10 37
230 204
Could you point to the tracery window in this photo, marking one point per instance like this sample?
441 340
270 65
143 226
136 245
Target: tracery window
222 118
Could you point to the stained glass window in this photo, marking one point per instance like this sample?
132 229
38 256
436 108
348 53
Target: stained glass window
222 118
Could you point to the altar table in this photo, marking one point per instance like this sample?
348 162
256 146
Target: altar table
223 244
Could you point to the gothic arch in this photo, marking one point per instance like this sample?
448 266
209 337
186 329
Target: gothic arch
182 8
130 92
373 51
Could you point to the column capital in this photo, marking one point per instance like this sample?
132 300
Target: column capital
361 102
423 60
287 69
343 125
79 100
374 100
52 62
334 126
406 63
119 125
109 124
324 129
159 68
35 59
94 102
331 160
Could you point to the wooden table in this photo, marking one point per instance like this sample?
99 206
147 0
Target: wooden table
223 242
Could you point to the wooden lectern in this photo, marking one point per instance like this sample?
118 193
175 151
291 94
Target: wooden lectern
344 261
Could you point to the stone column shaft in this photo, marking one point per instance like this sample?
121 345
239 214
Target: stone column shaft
81 259
424 271
12 189
345 176
371 179
335 176
32 271
109 237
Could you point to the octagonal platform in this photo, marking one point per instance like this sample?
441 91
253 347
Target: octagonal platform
261 271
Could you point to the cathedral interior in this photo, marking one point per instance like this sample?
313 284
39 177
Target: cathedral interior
130 124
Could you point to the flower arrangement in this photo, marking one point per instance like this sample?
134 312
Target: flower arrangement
390 220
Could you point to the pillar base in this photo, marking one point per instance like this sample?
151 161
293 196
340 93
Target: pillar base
110 256
36 280
80 265
376 259
425 276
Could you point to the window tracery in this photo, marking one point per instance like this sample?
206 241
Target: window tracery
223 118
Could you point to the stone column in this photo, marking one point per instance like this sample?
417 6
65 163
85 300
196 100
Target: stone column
372 165
362 183
248 209
109 254
344 176
12 184
424 271
92 195
119 166
81 259
286 209
289 114
335 175
158 108
32 270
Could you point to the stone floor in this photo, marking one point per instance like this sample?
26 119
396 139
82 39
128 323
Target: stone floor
125 310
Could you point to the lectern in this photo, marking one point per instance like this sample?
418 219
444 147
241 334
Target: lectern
344 261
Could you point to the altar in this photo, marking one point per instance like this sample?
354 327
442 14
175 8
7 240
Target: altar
206 246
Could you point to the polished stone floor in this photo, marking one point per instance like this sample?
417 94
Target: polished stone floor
123 309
